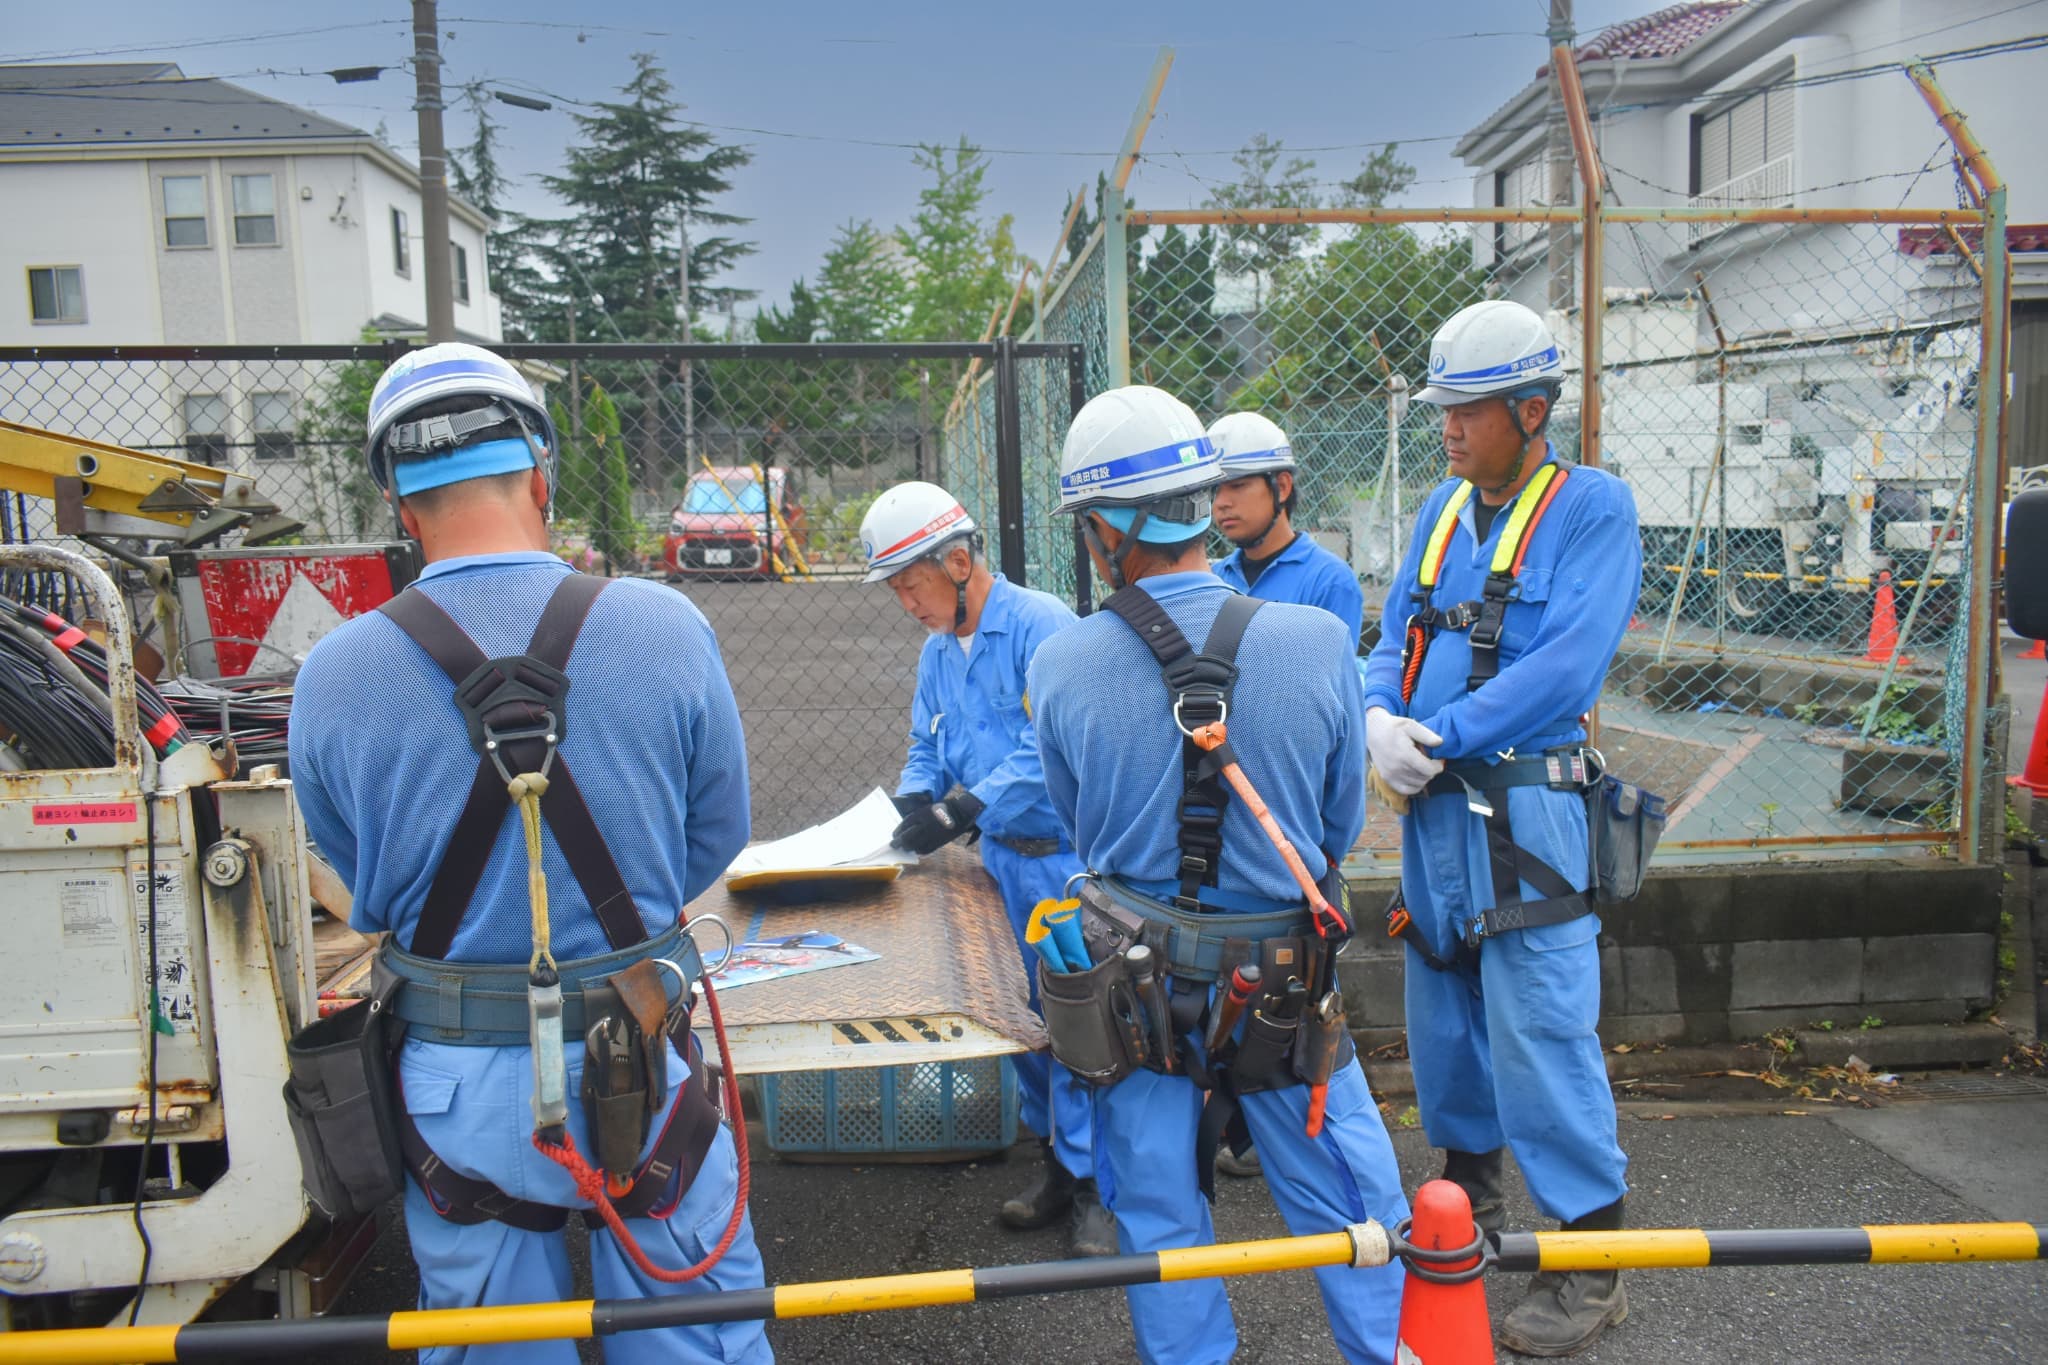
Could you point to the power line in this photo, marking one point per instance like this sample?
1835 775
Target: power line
274 35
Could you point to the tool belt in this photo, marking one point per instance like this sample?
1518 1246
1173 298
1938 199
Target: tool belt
1029 848
1623 824
1104 1024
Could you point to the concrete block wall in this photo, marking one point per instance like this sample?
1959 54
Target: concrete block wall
1709 955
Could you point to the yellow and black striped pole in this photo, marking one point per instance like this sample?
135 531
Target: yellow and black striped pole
1674 1248
1363 1244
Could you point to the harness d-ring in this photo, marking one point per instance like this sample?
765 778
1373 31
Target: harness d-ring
731 944
1067 891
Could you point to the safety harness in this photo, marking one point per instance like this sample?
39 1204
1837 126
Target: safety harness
1199 687
516 717
1485 786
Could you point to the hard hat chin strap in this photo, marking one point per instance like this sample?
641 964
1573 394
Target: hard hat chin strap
1514 402
1115 559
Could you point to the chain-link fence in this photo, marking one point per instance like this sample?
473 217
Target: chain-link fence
738 473
1793 398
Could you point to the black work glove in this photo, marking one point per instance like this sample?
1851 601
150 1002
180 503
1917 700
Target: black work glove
911 801
938 824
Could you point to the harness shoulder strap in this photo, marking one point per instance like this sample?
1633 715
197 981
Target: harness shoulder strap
483 813
1199 687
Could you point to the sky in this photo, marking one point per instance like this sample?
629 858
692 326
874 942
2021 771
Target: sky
1049 88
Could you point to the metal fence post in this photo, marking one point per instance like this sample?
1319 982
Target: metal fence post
1084 568
1980 658
1116 288
1009 462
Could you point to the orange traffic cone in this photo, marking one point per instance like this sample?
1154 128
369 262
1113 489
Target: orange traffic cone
1884 623
2035 776
1444 1324
2036 650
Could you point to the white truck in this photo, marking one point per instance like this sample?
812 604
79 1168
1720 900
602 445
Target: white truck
1817 494
144 1146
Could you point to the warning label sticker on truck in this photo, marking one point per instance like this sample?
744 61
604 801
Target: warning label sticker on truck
85 813
85 908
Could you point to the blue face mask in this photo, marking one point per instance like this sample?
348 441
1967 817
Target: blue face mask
507 456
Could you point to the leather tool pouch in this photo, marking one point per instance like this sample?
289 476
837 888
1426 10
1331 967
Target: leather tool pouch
1095 1022
1264 1056
625 1064
339 1097
1323 1047
1623 825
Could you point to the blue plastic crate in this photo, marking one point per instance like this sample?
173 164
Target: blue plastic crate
928 1107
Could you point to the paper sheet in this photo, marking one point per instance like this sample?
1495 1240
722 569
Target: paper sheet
857 838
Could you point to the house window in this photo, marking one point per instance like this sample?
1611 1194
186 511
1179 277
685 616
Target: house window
1526 184
184 210
461 260
1742 153
56 293
401 246
270 419
206 428
255 211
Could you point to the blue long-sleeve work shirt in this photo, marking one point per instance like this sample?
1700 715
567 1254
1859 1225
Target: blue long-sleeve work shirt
1579 582
970 719
1306 573
1112 756
381 761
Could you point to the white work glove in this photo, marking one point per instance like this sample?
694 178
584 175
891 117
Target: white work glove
1396 745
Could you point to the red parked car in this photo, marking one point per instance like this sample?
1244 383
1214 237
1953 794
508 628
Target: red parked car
722 527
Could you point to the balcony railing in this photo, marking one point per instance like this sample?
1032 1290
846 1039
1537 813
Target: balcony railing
1765 186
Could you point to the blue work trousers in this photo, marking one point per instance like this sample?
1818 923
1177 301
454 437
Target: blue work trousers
1146 1131
473 1107
1052 1101
1509 1055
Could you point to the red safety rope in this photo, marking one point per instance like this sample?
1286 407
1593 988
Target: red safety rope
591 1183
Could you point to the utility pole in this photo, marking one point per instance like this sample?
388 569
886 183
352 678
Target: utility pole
1558 148
689 389
426 64
575 380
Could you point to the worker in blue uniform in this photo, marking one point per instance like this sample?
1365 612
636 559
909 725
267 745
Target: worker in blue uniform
1500 627
973 766
1137 469
381 765
1254 509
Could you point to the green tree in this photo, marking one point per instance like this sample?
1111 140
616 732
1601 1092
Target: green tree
337 417
963 265
1383 176
526 297
638 173
594 483
863 293
1267 179
1383 284
800 322
1176 339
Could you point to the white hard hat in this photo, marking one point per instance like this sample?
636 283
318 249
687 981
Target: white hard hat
450 369
1248 443
1140 448
1494 348
909 522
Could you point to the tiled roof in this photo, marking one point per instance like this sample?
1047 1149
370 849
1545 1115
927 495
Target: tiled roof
1666 33
143 102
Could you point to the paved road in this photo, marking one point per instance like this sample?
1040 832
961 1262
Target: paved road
1908 1162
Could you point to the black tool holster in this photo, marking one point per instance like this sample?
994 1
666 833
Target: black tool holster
625 1064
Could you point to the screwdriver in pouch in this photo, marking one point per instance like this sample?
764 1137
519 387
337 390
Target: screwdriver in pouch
1244 983
1152 991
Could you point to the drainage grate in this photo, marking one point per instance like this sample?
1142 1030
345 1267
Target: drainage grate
1971 1085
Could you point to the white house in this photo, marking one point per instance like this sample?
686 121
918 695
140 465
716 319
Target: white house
1850 419
149 208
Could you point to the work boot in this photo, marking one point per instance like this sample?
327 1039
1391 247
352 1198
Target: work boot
1230 1163
1478 1175
1092 1227
1045 1199
1565 1312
